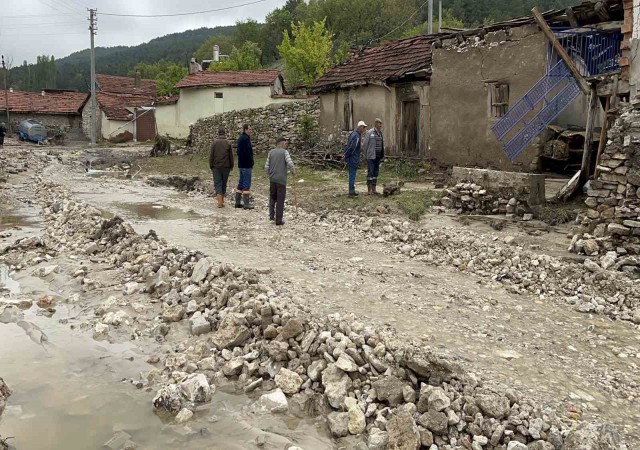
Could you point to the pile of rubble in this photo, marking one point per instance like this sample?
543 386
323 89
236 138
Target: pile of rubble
612 223
587 286
4 395
249 332
471 198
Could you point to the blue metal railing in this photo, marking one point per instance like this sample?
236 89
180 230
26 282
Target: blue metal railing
542 120
595 52
528 103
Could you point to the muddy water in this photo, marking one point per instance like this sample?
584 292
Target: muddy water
68 394
154 211
8 286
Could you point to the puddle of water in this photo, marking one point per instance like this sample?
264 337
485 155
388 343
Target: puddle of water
156 211
13 220
68 395
8 284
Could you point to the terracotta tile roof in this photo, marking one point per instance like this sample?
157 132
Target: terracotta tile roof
115 105
387 62
49 103
167 100
125 85
230 78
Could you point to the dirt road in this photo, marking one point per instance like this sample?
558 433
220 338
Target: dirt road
583 363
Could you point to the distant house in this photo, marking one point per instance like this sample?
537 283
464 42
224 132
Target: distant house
205 94
124 107
462 98
53 108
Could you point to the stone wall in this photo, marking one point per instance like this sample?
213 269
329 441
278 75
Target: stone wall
611 225
50 121
268 123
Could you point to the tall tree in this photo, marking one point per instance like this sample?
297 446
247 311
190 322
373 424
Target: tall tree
277 22
247 57
307 52
248 30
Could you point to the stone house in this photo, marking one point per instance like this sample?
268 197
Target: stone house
441 95
205 94
124 107
53 108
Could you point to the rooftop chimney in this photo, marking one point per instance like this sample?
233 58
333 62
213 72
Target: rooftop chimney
216 53
10 90
42 92
138 76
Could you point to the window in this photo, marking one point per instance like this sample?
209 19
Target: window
348 115
498 99
218 94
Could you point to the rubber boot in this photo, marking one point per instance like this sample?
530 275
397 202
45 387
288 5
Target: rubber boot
238 200
373 189
353 193
220 200
246 198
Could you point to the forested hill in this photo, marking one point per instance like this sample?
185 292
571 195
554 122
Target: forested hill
73 71
351 22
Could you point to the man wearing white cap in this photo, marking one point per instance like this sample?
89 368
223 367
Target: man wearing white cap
352 156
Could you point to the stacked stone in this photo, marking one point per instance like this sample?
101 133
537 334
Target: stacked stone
613 219
364 380
268 123
471 198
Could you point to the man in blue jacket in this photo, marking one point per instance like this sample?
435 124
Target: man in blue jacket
352 155
245 167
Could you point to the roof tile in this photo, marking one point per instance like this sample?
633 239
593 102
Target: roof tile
229 78
125 85
49 103
115 105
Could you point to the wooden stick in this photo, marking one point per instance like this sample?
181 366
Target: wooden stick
582 83
603 136
588 138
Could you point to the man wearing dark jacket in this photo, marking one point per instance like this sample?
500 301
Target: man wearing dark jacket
352 155
221 164
3 131
373 148
245 167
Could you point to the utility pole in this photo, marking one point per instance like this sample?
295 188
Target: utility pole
439 16
430 16
6 94
92 31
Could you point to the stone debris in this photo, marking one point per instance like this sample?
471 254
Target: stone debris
611 225
5 392
360 377
472 198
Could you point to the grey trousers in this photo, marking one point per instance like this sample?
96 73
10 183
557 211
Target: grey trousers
220 179
278 193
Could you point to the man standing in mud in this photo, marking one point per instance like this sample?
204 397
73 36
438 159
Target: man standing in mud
278 163
373 147
245 167
352 156
221 164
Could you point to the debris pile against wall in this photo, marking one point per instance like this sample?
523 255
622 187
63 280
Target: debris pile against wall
611 225
268 123
248 333
482 191
471 198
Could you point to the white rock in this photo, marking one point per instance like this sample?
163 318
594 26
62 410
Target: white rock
274 402
196 388
201 270
130 288
184 416
288 381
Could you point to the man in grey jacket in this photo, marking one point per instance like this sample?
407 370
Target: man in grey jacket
278 163
373 143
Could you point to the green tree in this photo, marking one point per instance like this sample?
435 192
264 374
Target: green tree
249 30
307 52
247 57
448 21
277 22
166 74
205 51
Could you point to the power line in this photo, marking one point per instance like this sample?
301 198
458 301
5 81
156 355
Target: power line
46 25
183 14
402 24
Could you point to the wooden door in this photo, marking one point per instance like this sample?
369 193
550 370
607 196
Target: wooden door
145 125
410 129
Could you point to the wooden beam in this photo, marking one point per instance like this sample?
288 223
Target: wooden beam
588 139
571 16
582 83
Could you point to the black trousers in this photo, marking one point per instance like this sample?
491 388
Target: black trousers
277 194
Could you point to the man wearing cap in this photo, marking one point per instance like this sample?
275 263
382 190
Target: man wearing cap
352 156
278 163
373 144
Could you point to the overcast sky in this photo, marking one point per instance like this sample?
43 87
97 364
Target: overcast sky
59 27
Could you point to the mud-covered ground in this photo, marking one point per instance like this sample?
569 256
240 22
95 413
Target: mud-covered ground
584 364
